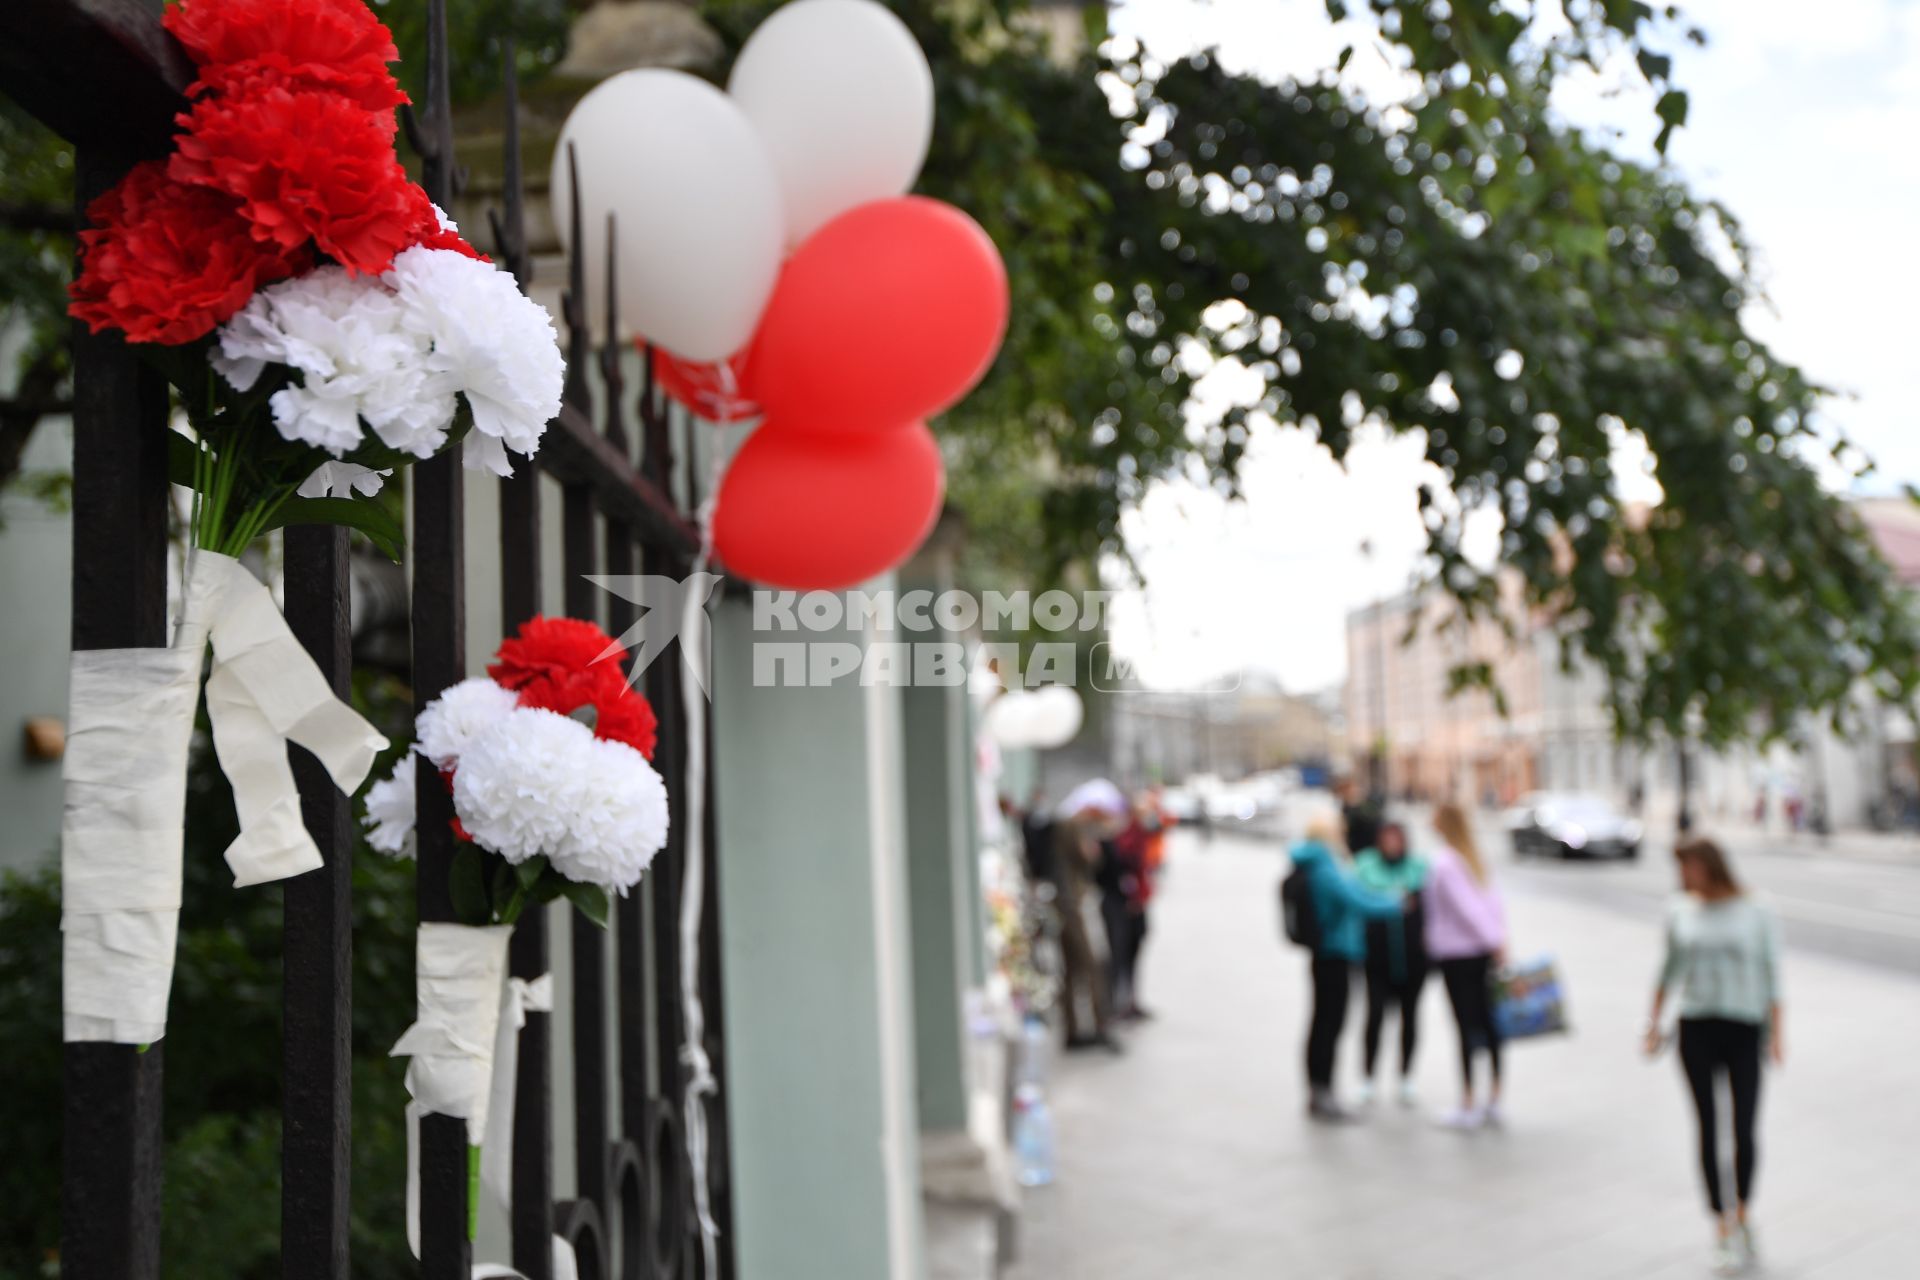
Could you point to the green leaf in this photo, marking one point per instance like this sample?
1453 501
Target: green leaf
531 870
371 518
594 902
467 886
1672 110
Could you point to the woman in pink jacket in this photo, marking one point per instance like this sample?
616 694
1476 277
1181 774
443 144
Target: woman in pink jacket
1466 931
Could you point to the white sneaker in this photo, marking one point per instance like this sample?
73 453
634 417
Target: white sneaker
1492 1117
1749 1247
1726 1258
1462 1118
1364 1095
1409 1096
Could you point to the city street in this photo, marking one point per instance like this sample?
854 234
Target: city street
1189 1155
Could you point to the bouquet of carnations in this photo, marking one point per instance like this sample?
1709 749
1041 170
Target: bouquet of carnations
553 796
322 322
547 760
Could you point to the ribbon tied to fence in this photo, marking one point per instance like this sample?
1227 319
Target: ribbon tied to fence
465 1046
130 723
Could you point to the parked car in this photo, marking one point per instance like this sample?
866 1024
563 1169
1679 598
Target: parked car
1568 825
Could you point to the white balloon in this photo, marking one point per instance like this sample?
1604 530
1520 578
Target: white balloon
1055 717
844 97
1009 719
1044 719
696 206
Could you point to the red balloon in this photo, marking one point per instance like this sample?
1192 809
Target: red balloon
699 386
888 314
816 512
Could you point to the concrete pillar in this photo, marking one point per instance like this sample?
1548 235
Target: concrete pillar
819 1009
939 773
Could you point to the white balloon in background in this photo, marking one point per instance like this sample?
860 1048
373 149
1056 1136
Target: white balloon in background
1009 719
844 97
1055 717
696 204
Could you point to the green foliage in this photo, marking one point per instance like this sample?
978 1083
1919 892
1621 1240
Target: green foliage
221 1213
474 41
1461 267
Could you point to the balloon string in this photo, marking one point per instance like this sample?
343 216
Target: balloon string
701 1083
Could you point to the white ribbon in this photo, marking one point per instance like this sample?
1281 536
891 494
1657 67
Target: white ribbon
130 720
693 1012
465 1046
518 998
566 1266
458 974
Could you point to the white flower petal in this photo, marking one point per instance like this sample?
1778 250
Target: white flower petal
342 480
451 722
390 810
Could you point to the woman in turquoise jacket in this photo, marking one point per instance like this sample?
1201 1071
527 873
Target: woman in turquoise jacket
1341 907
1396 963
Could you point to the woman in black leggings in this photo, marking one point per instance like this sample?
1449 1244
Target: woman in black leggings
1722 956
1466 931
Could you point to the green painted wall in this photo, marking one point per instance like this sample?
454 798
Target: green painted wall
819 1022
36 562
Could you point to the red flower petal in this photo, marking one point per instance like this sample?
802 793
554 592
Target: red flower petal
306 165
337 46
165 262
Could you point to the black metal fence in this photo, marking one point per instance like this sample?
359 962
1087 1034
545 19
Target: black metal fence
102 73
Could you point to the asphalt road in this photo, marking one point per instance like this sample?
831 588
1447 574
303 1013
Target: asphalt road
1864 909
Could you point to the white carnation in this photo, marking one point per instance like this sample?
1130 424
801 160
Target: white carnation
521 781
620 822
490 343
538 782
390 810
449 724
342 480
358 357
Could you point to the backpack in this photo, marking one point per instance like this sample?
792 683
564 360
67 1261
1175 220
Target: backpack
1298 918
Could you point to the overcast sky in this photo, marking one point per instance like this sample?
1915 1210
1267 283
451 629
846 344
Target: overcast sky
1802 121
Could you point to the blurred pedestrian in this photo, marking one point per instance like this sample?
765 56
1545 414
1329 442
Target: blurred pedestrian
1341 907
1088 815
1132 886
1722 956
1396 965
1359 815
1466 935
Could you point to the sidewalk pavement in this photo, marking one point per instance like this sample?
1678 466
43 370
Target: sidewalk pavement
1188 1158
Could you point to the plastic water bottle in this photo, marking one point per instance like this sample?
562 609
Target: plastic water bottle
1035 1046
1032 1136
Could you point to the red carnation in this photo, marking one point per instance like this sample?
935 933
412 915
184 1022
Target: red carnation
554 649
555 663
164 262
305 166
443 238
627 717
336 46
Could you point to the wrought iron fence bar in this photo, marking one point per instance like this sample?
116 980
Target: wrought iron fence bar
317 960
531 1217
135 80
439 660
574 452
532 1214
110 1183
588 941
